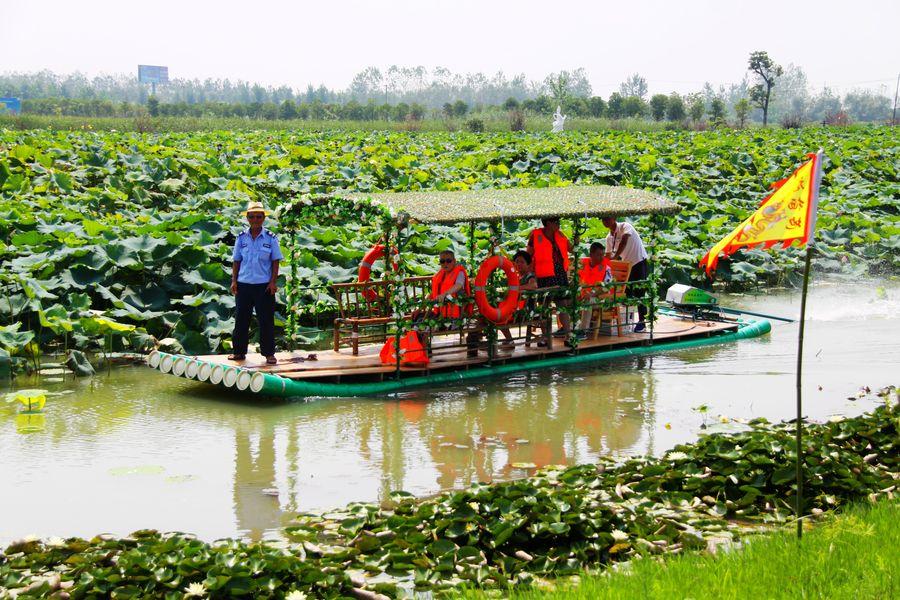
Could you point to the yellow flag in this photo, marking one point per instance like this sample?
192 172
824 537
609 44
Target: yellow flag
787 215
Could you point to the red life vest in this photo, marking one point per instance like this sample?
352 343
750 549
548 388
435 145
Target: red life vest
411 350
589 275
441 284
543 252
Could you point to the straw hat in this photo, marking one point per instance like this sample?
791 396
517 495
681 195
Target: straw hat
256 207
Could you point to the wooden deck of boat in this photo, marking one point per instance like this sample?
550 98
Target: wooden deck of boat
337 365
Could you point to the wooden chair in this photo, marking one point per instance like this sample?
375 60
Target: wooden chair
364 310
621 270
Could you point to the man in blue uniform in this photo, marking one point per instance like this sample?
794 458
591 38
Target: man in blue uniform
253 275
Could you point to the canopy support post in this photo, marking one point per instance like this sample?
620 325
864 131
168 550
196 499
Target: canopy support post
578 227
471 245
652 285
490 329
290 288
391 288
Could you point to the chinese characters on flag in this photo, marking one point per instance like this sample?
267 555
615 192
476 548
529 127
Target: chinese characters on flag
787 215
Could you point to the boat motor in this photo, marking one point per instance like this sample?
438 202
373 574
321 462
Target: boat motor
694 304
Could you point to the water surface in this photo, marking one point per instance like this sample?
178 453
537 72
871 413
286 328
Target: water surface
137 449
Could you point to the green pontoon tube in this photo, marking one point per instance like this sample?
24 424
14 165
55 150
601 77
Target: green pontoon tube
268 384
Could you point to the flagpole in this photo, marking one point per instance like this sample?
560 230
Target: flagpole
811 228
799 432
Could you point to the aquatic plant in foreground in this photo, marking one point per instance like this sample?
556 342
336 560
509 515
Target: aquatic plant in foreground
559 522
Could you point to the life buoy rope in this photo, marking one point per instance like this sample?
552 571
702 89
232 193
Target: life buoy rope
501 313
365 269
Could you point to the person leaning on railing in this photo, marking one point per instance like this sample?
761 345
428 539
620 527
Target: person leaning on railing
624 243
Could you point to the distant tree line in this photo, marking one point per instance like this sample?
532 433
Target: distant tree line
288 109
769 93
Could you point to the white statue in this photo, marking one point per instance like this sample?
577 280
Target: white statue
559 120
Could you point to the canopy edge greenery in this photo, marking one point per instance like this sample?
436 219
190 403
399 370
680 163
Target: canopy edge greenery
491 205
521 203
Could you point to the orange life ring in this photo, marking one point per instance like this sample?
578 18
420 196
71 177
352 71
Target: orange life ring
365 269
501 313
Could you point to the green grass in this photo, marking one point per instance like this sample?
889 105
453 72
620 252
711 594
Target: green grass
853 555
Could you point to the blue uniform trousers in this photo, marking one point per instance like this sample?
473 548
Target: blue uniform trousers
250 296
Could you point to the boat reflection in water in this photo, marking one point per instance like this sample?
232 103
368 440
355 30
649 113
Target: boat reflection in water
132 450
336 451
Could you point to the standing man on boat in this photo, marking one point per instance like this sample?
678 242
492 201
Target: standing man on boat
624 243
550 250
253 276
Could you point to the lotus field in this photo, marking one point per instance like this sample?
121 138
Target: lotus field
113 239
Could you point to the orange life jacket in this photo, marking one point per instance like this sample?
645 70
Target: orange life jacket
441 284
411 350
543 252
589 275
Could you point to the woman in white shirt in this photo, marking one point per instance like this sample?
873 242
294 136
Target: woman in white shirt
624 243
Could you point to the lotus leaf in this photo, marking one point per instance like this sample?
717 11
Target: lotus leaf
86 209
13 340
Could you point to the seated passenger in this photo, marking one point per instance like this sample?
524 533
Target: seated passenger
447 283
593 272
527 281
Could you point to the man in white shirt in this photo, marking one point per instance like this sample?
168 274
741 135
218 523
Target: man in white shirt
624 243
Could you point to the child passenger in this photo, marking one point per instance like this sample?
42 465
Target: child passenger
593 273
527 281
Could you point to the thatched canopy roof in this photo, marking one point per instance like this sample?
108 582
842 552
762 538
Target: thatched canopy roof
520 203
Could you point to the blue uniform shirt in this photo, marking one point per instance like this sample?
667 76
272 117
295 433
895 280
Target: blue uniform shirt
256 256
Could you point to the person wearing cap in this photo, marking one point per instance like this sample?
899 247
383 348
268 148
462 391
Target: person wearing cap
253 282
624 243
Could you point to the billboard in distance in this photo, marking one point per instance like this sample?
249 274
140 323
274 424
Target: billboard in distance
153 74
10 105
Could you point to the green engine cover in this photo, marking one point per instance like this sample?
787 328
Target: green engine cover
698 296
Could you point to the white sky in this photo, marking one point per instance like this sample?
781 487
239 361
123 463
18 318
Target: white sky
676 45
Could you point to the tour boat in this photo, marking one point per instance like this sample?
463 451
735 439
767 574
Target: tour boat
375 316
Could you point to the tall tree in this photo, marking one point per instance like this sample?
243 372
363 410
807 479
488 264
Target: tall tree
558 85
460 108
675 108
741 110
658 105
597 106
717 111
766 72
615 108
634 107
567 83
696 107
634 86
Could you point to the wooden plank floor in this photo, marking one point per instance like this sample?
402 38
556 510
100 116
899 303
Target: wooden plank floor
293 365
